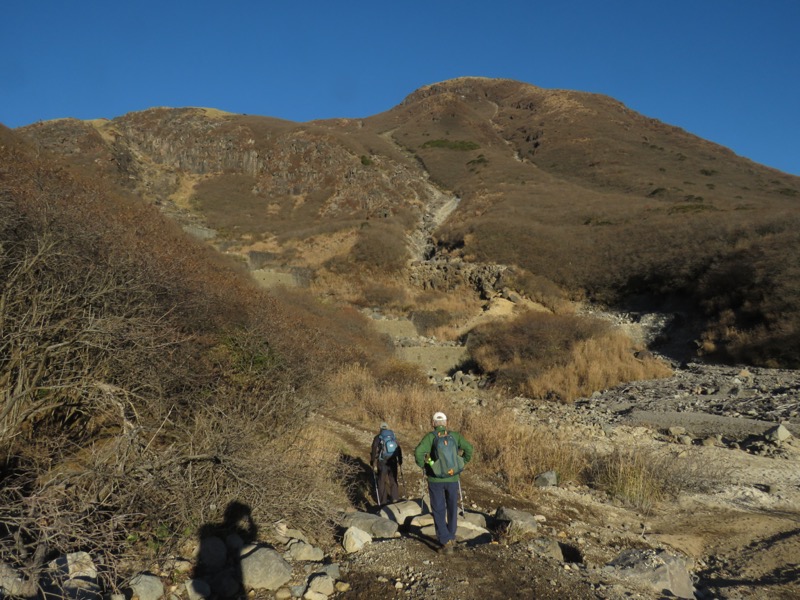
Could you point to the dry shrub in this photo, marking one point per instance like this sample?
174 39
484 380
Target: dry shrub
644 478
358 395
429 321
517 453
380 248
595 364
385 295
146 382
537 288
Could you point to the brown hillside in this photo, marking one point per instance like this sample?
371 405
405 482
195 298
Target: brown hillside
574 188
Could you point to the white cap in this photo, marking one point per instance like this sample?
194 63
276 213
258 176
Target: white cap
439 416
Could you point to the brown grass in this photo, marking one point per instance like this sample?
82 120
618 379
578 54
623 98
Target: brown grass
595 364
504 447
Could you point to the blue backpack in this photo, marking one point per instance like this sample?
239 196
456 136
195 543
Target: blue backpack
388 444
446 460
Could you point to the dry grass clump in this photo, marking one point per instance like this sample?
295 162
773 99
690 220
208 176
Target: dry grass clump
358 395
516 453
644 478
380 247
559 357
595 364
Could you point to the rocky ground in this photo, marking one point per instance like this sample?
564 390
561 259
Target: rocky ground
737 526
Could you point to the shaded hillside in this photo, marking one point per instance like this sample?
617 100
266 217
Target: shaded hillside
572 187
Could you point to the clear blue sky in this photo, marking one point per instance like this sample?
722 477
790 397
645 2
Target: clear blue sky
726 70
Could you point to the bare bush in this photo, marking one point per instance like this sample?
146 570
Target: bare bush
145 382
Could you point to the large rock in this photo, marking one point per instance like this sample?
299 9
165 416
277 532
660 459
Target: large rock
465 532
401 512
546 479
265 569
547 547
299 550
75 565
13 583
146 587
777 434
376 526
322 584
71 576
661 571
355 539
522 521
197 589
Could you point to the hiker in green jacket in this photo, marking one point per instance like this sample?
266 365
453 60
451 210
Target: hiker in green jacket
442 453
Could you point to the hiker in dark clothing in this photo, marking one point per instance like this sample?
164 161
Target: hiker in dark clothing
386 457
442 454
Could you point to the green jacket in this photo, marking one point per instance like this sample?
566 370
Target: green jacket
424 449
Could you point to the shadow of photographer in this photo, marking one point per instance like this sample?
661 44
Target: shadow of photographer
218 562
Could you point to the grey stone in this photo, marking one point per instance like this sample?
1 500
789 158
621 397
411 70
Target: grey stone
777 434
146 587
546 479
322 584
661 571
355 539
475 518
547 547
400 512
299 550
375 525
332 570
265 569
197 589
76 564
525 522
12 582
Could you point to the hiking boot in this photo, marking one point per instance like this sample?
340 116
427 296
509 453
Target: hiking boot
447 547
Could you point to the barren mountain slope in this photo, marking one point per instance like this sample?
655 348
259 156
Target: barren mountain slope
572 187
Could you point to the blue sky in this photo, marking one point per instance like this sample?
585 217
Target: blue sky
726 70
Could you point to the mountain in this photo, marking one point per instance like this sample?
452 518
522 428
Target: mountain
574 190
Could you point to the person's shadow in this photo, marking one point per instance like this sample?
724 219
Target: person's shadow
218 559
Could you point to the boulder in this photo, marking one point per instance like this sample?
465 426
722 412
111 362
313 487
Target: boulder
546 547
355 539
374 525
197 589
522 521
146 587
12 583
665 573
400 512
777 434
265 569
299 550
322 584
546 479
